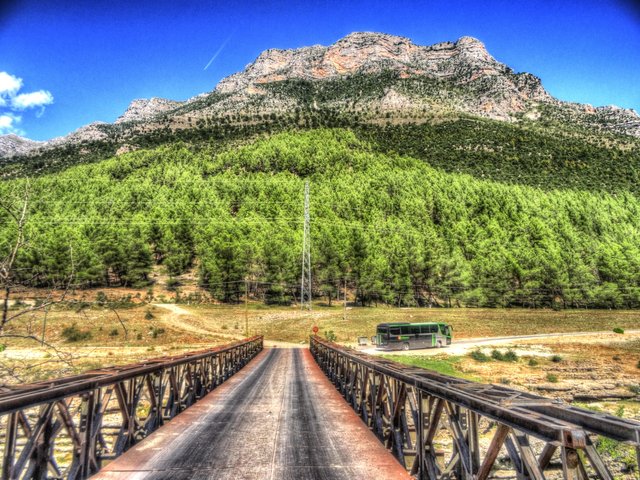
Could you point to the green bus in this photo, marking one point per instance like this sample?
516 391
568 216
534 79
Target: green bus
405 336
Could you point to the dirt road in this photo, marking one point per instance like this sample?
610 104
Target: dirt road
278 418
461 347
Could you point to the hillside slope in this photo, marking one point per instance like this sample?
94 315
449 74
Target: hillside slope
399 230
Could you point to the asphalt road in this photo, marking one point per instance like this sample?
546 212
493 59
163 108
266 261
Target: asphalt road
278 418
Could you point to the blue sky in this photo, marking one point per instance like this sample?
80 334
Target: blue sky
69 63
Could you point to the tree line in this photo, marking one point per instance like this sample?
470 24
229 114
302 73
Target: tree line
400 231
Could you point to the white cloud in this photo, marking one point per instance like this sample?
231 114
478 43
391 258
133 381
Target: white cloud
8 123
11 102
33 99
9 85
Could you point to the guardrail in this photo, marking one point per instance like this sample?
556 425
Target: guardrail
441 427
66 427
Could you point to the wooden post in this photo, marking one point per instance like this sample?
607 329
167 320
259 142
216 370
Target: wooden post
246 308
344 309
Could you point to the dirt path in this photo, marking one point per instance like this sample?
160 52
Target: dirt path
177 319
461 347
173 308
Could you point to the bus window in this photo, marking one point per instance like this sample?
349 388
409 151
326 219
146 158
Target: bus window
394 331
405 330
383 330
414 329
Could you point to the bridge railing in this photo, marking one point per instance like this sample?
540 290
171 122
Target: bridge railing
441 427
66 428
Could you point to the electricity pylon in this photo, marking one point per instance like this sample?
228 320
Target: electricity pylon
305 282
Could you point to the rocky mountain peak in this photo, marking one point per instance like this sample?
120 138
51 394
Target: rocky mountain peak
405 79
145 108
359 52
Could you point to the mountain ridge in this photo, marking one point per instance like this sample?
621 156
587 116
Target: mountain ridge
446 77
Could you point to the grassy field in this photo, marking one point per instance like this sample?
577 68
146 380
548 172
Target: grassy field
563 368
106 336
293 325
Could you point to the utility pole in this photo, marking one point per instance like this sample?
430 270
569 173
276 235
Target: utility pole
344 310
305 281
246 308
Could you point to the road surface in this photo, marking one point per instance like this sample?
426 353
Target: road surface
278 418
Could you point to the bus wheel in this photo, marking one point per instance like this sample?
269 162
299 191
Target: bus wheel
405 346
439 344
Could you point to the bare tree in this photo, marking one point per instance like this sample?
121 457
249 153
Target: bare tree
16 210
7 264
9 278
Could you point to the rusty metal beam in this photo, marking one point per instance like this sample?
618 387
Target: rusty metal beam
531 429
63 418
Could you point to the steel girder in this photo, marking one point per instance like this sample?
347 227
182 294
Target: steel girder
66 427
441 427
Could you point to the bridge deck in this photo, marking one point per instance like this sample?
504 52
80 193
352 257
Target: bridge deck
278 418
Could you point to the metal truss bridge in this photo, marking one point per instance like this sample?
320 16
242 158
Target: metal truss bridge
324 412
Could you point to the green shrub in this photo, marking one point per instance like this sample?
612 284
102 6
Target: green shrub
114 332
497 355
510 356
552 378
74 334
148 315
478 356
533 362
618 330
155 331
330 336
139 336
635 389
556 359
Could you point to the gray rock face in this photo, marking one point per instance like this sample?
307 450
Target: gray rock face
365 52
145 109
13 145
498 93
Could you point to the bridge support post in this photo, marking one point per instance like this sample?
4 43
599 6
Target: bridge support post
86 429
10 446
474 444
570 462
